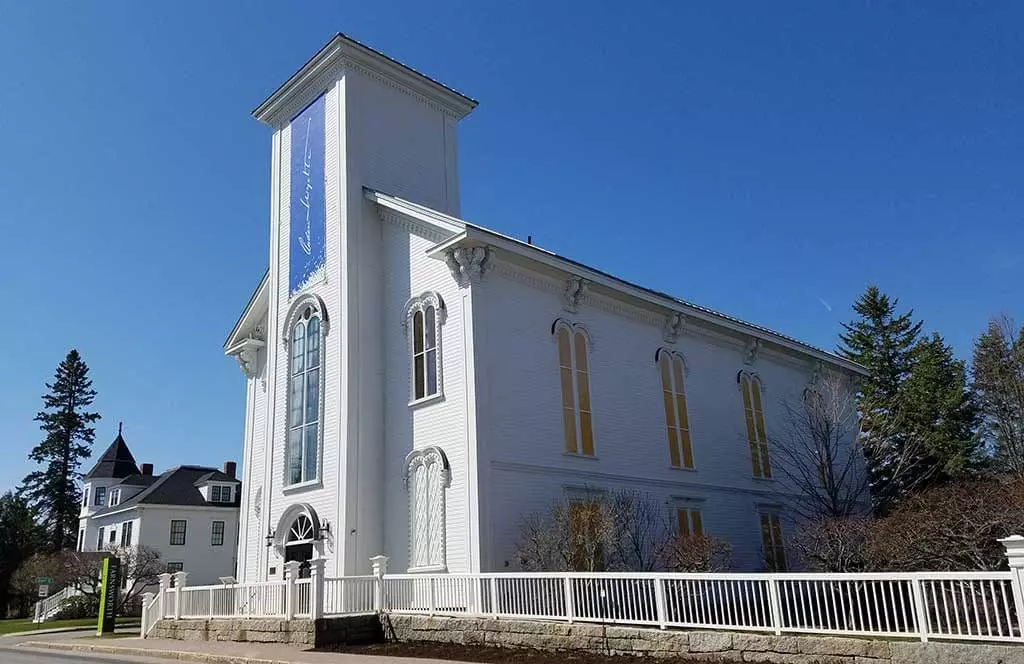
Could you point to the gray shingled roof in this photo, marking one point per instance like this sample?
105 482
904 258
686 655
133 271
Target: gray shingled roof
116 462
177 486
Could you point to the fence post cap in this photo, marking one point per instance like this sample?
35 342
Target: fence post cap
292 567
380 565
1014 545
180 578
316 566
165 580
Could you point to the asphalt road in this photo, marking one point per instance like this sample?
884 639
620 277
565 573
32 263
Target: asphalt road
10 653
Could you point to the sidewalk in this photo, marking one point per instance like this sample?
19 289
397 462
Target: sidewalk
214 652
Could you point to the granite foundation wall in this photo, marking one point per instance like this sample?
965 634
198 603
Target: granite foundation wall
704 647
298 632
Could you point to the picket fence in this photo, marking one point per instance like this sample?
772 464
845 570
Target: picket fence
960 606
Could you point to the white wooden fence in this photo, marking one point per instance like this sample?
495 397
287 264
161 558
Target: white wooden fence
962 606
48 607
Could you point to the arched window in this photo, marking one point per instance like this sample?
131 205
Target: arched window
425 315
427 475
673 389
306 330
574 375
753 411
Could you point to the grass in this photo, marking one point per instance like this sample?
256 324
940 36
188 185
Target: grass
26 625
17 626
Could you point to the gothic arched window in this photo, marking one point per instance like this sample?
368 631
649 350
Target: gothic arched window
574 376
306 330
424 316
673 389
753 412
427 475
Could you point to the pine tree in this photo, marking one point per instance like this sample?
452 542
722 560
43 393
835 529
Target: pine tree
997 369
941 409
18 538
882 341
53 491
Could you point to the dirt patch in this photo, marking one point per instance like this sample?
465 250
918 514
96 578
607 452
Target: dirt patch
491 655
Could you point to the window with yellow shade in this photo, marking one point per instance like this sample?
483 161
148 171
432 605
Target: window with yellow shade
689 521
574 375
772 545
753 412
673 391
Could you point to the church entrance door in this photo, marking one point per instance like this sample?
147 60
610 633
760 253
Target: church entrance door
299 545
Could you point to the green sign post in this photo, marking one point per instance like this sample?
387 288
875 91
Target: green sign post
110 590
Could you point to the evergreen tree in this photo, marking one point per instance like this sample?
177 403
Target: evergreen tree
53 491
883 341
18 538
997 369
940 409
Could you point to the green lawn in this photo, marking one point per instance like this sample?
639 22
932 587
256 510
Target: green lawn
12 626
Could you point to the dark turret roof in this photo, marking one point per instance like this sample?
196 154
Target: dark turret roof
117 462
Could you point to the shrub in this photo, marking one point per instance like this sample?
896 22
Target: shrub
82 606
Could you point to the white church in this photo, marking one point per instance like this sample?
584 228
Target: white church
417 384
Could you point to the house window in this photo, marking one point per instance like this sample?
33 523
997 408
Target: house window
425 314
689 522
178 532
574 373
81 540
672 370
99 539
113 535
85 497
217 534
220 494
757 439
101 495
306 330
126 533
773 547
585 530
427 475
115 497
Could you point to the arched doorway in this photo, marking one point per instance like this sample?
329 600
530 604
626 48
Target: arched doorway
298 544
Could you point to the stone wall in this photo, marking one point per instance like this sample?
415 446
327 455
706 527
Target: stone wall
298 632
705 647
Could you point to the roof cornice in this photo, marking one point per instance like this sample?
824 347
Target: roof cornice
254 310
344 51
477 236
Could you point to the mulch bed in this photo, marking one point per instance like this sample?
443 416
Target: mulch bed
492 655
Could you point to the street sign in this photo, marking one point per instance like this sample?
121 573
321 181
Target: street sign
44 590
44 579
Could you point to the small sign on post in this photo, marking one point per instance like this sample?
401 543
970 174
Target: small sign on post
110 590
44 590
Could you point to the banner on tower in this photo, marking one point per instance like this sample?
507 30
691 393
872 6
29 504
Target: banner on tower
306 246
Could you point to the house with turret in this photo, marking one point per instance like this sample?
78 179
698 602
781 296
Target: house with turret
189 514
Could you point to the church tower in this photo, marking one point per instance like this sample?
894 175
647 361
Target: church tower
351 119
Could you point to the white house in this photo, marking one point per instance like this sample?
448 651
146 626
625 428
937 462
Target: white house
417 383
188 513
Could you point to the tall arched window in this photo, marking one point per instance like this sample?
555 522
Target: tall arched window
673 389
306 329
427 475
574 375
753 411
424 316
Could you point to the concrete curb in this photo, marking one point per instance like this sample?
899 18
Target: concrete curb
182 656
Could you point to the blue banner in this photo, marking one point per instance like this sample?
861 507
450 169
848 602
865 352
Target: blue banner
306 254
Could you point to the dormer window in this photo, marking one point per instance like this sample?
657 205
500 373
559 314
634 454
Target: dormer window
101 495
115 497
220 493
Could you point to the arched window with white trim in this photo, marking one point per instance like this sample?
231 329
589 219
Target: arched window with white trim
574 376
427 475
672 370
306 329
753 413
422 322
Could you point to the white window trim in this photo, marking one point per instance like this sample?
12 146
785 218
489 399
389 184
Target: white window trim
573 328
420 303
672 356
426 457
170 533
295 312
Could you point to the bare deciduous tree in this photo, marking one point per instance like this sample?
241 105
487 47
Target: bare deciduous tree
820 451
141 567
614 531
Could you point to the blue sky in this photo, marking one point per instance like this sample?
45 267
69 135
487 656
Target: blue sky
765 159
